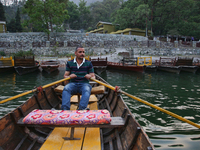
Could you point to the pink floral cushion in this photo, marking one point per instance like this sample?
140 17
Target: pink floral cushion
72 117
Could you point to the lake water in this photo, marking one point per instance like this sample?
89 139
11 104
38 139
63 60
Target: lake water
178 93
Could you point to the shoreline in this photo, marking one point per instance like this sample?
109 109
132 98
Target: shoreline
112 58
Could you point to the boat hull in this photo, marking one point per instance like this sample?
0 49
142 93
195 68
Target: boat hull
12 135
7 69
173 69
125 68
21 70
150 68
50 69
49 66
6 64
24 65
192 69
99 64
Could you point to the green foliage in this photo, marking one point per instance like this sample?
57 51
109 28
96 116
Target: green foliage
73 21
15 24
2 53
102 11
11 26
44 14
18 26
173 17
24 53
84 13
127 17
2 13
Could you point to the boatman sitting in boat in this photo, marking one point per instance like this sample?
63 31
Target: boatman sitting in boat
80 71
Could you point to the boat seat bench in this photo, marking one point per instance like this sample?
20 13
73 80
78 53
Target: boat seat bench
85 133
55 139
95 90
116 122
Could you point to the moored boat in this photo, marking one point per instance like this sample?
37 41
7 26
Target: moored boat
6 64
127 64
14 136
186 64
120 66
99 64
173 69
168 65
150 68
24 65
49 66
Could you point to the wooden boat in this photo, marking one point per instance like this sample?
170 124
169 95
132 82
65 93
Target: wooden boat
130 136
197 63
186 64
99 64
6 64
49 66
126 64
151 68
24 65
173 69
120 66
167 64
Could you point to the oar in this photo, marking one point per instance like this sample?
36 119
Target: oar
34 90
147 103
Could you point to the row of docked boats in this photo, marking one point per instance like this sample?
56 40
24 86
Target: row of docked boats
24 65
27 64
144 64
177 64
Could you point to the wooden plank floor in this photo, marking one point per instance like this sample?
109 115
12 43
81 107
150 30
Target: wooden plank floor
90 137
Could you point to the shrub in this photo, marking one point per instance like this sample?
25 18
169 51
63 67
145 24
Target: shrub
2 53
24 53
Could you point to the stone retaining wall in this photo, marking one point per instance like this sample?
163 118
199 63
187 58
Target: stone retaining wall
65 43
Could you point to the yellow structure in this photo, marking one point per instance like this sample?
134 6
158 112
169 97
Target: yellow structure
3 27
132 31
144 61
104 27
107 27
7 61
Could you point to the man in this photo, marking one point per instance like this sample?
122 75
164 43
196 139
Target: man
80 71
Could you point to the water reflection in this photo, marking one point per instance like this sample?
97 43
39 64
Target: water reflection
176 93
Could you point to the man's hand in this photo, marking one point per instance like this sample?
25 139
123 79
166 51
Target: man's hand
72 76
88 76
91 75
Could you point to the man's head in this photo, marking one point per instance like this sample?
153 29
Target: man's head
80 52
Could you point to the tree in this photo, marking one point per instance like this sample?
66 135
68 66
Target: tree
18 25
84 12
2 13
128 17
11 26
172 15
73 12
102 11
44 14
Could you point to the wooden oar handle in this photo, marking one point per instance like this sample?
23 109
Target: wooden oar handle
104 84
149 104
34 90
